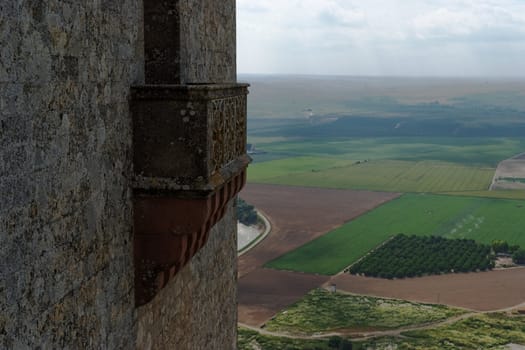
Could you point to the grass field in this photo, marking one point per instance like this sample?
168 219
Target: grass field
477 151
381 175
481 219
396 164
322 311
488 332
491 331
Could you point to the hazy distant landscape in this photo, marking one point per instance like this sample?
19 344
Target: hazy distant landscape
436 145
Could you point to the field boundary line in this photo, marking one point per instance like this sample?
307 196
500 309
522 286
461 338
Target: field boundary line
367 254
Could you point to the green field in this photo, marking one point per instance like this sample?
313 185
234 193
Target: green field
476 151
481 219
488 332
382 175
395 164
322 311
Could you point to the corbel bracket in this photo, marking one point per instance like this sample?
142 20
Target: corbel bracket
189 161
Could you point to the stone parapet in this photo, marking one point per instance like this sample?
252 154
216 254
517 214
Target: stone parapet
189 161
188 137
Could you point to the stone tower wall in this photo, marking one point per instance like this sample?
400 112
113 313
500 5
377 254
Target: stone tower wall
66 235
198 308
208 41
65 243
196 44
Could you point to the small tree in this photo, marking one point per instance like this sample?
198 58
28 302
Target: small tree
513 248
519 256
246 213
334 342
500 246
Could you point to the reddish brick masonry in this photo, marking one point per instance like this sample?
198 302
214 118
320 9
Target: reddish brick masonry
169 231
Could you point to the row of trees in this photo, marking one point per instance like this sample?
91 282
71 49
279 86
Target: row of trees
410 256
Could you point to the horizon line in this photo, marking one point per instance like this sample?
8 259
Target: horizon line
364 76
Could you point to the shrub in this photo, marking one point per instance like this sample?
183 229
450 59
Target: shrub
519 256
500 246
246 213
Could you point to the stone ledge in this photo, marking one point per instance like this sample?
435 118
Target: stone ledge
202 91
199 188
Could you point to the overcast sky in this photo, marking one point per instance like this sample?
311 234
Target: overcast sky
372 37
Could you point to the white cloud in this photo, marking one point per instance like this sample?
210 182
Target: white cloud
469 20
379 37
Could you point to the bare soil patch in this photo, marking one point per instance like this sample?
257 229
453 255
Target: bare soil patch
513 168
483 291
301 214
503 262
264 292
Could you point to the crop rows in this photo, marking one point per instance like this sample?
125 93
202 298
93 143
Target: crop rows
410 256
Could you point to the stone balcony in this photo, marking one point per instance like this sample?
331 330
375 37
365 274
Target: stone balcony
189 161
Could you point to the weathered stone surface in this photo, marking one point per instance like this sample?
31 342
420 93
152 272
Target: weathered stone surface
195 310
162 52
197 44
66 276
208 41
203 127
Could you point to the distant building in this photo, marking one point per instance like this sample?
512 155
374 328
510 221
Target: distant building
250 149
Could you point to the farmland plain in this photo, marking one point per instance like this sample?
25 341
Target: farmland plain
277 97
480 219
439 141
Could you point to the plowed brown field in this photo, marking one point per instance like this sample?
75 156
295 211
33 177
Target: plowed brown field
483 291
300 214
264 292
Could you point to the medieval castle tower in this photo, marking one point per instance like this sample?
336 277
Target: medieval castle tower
122 145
